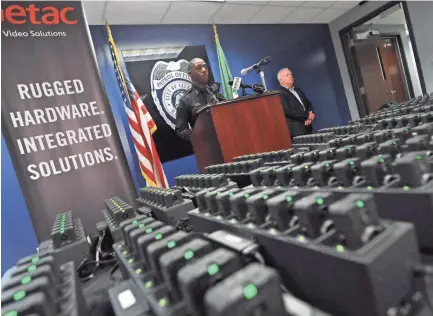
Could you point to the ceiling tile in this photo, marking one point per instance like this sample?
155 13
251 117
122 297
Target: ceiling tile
253 2
272 14
318 4
94 11
236 13
302 14
345 4
136 12
286 3
191 12
328 15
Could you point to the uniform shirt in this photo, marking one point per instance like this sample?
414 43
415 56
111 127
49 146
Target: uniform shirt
186 113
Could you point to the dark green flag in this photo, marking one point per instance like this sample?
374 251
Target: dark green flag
226 74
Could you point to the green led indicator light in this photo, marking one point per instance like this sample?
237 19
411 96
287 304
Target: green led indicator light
419 157
381 160
340 188
189 254
158 236
163 302
26 280
31 268
265 197
138 271
125 252
327 165
11 313
301 238
35 259
149 230
320 201
134 221
171 244
231 194
306 166
131 260
213 269
340 248
351 163
289 199
369 187
18 296
141 226
246 195
406 188
360 204
250 291
149 284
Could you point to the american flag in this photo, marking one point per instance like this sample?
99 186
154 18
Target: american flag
141 124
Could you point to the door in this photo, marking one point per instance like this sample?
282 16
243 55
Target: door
393 68
378 66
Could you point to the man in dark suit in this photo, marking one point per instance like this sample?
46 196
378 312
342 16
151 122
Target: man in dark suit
297 108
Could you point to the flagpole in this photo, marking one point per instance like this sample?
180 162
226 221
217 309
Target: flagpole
216 33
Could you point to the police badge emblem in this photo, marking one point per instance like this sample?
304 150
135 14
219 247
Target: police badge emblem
169 82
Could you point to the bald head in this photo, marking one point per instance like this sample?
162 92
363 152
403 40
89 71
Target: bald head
192 62
285 77
198 71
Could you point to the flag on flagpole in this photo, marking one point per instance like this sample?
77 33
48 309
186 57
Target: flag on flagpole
141 124
226 74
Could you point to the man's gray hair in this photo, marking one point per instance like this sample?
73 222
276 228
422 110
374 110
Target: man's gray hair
280 71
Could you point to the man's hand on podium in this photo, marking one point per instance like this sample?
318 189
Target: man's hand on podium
311 116
307 122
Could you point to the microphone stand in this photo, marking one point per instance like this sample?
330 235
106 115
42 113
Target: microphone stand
262 76
244 93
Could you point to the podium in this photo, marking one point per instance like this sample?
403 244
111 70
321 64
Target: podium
242 126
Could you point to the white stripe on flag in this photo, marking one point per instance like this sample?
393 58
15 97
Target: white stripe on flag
140 140
131 114
143 160
146 132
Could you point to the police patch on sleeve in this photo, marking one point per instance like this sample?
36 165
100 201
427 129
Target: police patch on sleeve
169 82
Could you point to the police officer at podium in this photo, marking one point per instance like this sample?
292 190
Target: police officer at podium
195 98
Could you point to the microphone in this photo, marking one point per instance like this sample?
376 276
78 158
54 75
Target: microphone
215 87
241 85
263 62
258 88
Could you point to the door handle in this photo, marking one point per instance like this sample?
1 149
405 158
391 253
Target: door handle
379 58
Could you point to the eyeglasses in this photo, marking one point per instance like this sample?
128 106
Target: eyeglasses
201 67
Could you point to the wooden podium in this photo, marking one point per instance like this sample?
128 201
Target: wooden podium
242 126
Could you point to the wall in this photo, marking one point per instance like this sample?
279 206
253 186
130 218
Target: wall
422 23
306 49
421 17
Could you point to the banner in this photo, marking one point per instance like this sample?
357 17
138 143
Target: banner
160 76
56 118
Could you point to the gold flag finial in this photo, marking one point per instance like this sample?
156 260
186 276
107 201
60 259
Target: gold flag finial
216 33
107 27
